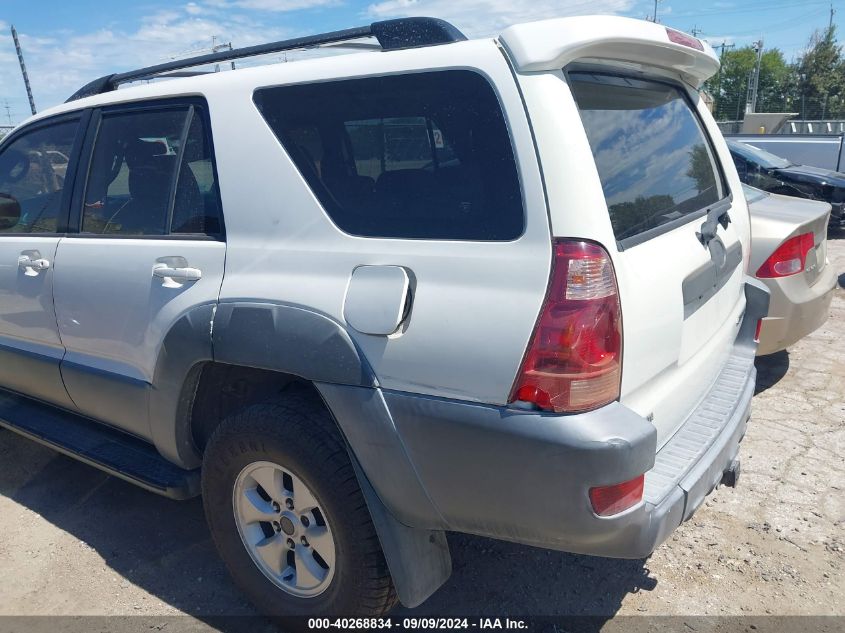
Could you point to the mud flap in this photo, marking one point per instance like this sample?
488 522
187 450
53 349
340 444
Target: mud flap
419 560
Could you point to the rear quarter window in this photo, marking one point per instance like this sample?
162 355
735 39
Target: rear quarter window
654 160
420 156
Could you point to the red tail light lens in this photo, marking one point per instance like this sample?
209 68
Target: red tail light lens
607 500
574 361
788 259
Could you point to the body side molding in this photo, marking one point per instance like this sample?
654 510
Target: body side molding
185 348
289 339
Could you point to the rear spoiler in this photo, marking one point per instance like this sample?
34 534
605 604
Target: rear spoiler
552 44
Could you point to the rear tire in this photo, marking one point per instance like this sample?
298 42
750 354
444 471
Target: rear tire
292 445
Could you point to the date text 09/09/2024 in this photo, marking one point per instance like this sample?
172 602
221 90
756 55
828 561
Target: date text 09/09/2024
417 623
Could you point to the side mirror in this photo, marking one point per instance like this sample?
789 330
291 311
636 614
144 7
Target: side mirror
10 212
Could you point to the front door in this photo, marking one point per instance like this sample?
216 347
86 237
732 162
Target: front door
149 248
33 167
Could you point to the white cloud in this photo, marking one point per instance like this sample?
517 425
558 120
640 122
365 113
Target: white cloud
60 65
479 18
272 5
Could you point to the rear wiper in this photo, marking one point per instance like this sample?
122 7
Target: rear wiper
716 215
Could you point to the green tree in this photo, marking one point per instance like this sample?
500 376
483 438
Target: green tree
821 77
776 87
729 86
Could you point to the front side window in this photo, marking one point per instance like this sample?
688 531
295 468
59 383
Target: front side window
424 156
653 158
33 168
151 174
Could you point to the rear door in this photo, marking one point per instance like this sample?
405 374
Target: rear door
679 257
149 246
34 165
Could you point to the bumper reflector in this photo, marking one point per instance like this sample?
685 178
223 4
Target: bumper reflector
608 500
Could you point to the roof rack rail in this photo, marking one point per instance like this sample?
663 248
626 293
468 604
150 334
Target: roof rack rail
391 35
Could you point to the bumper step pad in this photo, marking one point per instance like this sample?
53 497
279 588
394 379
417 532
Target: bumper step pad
693 439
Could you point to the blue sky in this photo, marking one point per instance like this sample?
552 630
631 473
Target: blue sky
69 42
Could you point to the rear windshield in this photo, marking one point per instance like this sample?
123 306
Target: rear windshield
655 163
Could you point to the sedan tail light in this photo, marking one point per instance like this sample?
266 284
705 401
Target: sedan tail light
788 259
574 360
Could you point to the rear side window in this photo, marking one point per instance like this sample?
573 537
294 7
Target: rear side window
151 174
424 156
32 174
654 160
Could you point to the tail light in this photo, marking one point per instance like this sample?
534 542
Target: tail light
607 500
788 259
683 39
574 360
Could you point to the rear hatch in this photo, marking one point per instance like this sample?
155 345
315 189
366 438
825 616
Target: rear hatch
681 297
663 188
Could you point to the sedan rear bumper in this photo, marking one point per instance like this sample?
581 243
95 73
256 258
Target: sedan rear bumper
795 309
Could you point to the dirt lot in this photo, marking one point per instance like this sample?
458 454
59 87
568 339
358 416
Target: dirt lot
75 541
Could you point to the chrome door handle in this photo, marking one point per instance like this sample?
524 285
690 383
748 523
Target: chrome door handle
177 274
27 263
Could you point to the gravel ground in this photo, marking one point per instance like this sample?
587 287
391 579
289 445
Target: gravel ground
77 542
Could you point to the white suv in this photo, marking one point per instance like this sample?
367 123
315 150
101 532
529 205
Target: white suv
493 286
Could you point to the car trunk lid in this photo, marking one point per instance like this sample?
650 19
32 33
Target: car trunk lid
782 217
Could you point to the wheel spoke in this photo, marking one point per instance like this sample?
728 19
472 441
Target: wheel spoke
302 498
273 551
320 539
254 508
270 479
308 571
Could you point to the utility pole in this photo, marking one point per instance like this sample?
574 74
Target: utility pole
754 79
23 69
8 112
654 15
724 45
696 31
220 47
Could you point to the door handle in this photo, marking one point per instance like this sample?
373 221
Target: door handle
164 271
37 265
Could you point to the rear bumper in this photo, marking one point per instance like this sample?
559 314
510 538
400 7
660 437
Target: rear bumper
795 310
524 476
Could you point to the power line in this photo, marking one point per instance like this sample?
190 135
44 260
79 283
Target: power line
779 25
750 7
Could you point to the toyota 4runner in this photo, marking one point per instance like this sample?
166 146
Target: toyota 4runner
491 286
